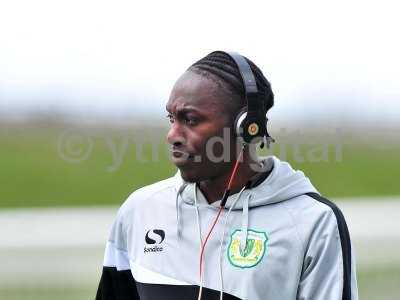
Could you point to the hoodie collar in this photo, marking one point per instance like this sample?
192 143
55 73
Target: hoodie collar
279 183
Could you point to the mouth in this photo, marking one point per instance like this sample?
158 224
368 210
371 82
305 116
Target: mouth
180 158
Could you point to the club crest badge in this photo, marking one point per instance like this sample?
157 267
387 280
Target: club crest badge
254 251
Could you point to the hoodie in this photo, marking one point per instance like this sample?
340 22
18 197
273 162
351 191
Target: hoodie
277 238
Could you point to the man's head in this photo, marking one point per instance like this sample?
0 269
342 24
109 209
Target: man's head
203 102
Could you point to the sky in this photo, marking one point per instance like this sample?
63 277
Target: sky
326 60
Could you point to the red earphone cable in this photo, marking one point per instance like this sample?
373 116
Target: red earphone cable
203 246
226 194
238 160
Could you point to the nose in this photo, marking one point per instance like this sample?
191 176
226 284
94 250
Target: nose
175 135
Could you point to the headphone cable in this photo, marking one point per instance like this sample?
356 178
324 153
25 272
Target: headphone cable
222 205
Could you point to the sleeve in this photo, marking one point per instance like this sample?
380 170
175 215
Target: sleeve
329 271
117 282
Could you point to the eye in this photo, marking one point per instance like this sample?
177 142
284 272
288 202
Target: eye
190 121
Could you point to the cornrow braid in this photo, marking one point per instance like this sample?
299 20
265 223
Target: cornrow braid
223 67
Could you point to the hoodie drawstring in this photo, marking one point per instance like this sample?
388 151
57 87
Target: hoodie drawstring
177 208
178 219
200 239
221 277
245 224
197 216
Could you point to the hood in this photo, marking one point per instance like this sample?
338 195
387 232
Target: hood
282 184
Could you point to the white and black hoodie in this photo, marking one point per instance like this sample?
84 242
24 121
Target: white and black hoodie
277 239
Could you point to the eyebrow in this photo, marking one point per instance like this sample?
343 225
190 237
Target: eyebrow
185 110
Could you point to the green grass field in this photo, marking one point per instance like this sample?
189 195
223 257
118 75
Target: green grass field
37 170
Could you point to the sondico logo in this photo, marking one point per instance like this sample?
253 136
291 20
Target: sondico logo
154 237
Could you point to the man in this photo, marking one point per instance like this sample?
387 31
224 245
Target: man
269 235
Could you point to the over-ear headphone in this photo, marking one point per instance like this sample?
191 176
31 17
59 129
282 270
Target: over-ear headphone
251 122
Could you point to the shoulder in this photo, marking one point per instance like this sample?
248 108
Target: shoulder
312 206
143 195
325 204
129 210
313 214
336 221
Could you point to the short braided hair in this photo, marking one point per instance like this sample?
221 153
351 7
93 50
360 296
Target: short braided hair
224 68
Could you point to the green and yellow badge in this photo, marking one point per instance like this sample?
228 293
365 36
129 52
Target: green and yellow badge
253 253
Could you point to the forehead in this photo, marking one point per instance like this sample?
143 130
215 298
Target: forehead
196 91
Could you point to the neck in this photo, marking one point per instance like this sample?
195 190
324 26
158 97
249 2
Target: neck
213 189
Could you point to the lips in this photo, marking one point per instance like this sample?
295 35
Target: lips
180 157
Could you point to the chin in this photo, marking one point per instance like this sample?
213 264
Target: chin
189 176
193 174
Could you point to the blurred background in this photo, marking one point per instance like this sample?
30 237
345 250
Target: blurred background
83 88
